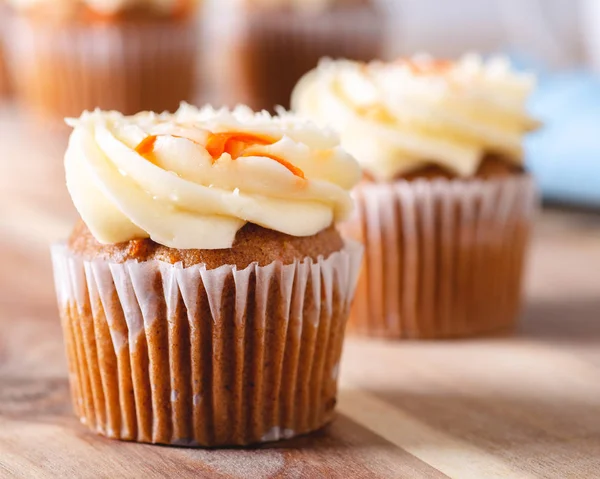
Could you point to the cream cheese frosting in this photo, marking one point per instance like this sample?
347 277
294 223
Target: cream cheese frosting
104 7
192 179
398 117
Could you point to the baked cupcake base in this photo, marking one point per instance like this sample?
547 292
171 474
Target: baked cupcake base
443 258
192 356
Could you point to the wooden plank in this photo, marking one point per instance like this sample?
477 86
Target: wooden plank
448 454
39 437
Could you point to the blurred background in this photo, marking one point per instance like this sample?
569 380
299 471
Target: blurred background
59 57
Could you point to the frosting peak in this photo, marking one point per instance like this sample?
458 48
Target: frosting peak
192 179
400 116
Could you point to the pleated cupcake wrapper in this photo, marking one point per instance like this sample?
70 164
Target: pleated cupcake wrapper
62 71
265 53
443 258
189 356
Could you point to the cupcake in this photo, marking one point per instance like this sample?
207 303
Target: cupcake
4 82
130 55
265 46
445 206
205 293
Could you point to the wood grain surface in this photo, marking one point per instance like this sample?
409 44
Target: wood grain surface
522 406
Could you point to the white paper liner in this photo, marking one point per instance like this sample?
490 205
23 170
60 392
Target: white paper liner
443 258
262 54
189 356
61 71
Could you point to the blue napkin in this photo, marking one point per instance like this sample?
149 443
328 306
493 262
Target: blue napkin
565 154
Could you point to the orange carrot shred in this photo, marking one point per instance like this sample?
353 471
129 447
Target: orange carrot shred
235 144
146 146
293 169
436 66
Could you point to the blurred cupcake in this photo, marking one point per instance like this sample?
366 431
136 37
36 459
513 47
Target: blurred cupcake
130 55
4 82
265 46
205 294
445 207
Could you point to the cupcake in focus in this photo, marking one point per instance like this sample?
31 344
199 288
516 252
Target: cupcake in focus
265 46
67 56
445 206
205 293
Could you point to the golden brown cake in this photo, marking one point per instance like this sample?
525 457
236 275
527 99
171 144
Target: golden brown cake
268 45
445 208
205 292
253 244
70 55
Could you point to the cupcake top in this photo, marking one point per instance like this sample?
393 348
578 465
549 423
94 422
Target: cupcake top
87 9
397 118
192 179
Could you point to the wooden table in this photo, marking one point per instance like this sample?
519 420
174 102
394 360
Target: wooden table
513 407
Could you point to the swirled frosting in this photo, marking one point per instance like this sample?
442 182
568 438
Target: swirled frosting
398 117
192 179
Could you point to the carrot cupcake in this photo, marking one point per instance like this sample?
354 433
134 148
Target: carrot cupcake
445 206
4 79
204 295
129 55
265 46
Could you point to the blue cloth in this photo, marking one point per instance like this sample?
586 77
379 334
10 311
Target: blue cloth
565 154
